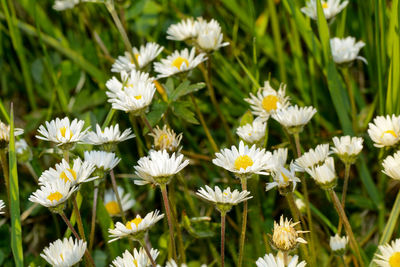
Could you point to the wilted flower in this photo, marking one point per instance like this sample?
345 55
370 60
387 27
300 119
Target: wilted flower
166 138
285 237
64 253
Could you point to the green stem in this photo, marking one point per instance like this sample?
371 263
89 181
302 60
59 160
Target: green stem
346 77
115 189
244 223
28 165
143 244
391 222
169 217
345 186
66 155
78 217
181 247
147 123
139 142
93 223
223 217
4 166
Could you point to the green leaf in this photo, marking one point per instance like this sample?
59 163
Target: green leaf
158 109
181 109
198 229
184 89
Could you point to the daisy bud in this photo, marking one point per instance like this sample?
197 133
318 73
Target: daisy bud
347 148
285 237
338 244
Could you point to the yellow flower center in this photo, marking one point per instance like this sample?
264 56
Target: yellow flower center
179 61
270 102
164 139
324 5
136 221
55 196
243 162
138 97
63 131
389 132
113 208
64 176
394 260
285 178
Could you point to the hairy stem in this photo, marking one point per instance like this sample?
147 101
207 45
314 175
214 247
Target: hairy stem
78 217
147 123
169 217
345 186
223 216
244 223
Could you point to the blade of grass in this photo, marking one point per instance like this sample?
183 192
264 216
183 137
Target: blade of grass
16 232
379 56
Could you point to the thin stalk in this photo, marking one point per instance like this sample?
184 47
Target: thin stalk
115 189
204 125
143 244
139 142
346 224
180 246
285 258
346 77
345 186
93 223
244 223
223 216
164 193
68 223
28 165
66 155
147 123
4 166
78 217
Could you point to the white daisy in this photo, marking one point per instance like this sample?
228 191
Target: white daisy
111 204
338 244
106 161
182 31
284 179
5 134
209 36
312 157
135 228
330 7
109 135
267 100
253 133
347 147
294 118
391 166
179 61
270 260
2 206
79 173
61 5
166 138
223 200
285 237
324 175
346 49
146 54
385 131
53 193
389 254
159 167
62 132
244 161
278 159
64 253
134 94
138 259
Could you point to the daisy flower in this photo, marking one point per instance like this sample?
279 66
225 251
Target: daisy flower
253 133
5 134
64 253
166 138
243 161
385 131
61 5
347 148
294 118
338 244
2 206
135 228
53 193
268 100
313 157
159 167
111 204
105 161
182 31
389 255
209 36
278 159
324 175
391 166
63 132
144 55
178 62
138 259
284 179
79 173
345 50
109 136
269 260
134 94
330 7
285 237
223 200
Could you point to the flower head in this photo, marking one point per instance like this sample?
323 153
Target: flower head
294 118
182 31
313 157
284 179
135 228
347 148
243 161
109 136
138 259
223 200
5 134
346 49
111 204
61 5
330 7
159 167
105 161
279 158
269 260
338 244
2 206
178 62
64 253
209 36
253 133
324 175
134 94
389 254
385 131
268 100
166 138
391 166
63 132
285 237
